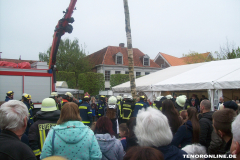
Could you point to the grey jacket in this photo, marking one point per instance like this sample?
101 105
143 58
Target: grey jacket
110 146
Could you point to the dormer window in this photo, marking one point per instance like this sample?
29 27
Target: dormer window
119 58
146 60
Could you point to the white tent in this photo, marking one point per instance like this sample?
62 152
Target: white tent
211 76
73 91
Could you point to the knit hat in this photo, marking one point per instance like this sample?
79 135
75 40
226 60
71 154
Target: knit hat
48 104
231 105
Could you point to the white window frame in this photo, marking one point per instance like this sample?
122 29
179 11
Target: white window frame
119 54
144 57
107 75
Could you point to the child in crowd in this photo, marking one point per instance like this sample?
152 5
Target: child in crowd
123 130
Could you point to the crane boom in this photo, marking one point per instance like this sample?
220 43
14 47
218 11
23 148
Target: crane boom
62 27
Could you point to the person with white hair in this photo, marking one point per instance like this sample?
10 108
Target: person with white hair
195 149
13 122
235 146
152 130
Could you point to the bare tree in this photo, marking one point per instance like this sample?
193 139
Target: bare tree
130 50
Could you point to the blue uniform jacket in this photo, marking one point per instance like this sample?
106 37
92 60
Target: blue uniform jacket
101 108
7 99
85 112
138 106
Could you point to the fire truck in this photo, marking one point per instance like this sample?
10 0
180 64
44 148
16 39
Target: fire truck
38 80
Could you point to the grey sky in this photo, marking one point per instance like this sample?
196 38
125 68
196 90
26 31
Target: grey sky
173 27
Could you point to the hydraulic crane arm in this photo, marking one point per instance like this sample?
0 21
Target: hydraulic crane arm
62 27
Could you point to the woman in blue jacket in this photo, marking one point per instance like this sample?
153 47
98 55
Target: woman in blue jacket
188 133
70 138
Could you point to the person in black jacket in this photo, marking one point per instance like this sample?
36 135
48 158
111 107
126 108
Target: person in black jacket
46 118
205 121
13 122
188 133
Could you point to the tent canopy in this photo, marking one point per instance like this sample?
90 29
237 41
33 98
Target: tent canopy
224 74
73 91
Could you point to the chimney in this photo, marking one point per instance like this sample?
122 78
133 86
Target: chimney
121 45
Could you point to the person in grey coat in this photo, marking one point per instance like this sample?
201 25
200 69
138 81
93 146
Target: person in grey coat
110 147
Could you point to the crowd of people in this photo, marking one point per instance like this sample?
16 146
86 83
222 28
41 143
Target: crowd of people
116 128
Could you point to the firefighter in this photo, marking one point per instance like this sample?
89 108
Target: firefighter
112 113
68 97
27 101
54 95
139 105
156 103
86 111
101 106
47 117
127 109
9 96
119 101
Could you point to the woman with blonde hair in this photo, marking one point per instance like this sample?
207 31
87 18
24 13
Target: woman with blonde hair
70 138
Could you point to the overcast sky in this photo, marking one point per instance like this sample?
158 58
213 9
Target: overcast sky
173 27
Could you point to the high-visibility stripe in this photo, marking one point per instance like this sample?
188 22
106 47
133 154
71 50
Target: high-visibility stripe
140 104
85 121
89 112
37 152
82 107
99 114
41 137
100 108
128 117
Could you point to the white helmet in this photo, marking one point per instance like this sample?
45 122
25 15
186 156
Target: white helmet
54 94
112 100
181 100
130 97
159 98
69 94
169 96
119 97
125 96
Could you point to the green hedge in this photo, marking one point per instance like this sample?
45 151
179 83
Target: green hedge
117 79
91 82
69 77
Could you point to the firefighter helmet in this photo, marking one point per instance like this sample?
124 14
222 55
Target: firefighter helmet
69 94
9 93
28 96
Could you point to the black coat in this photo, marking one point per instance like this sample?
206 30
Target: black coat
183 136
206 128
45 121
11 148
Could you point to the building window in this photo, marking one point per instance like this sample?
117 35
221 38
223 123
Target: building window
126 72
117 72
146 60
119 58
138 74
107 75
147 73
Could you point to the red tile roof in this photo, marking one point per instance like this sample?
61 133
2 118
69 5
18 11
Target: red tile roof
107 56
175 61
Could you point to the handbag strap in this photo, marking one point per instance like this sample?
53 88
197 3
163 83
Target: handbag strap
53 137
